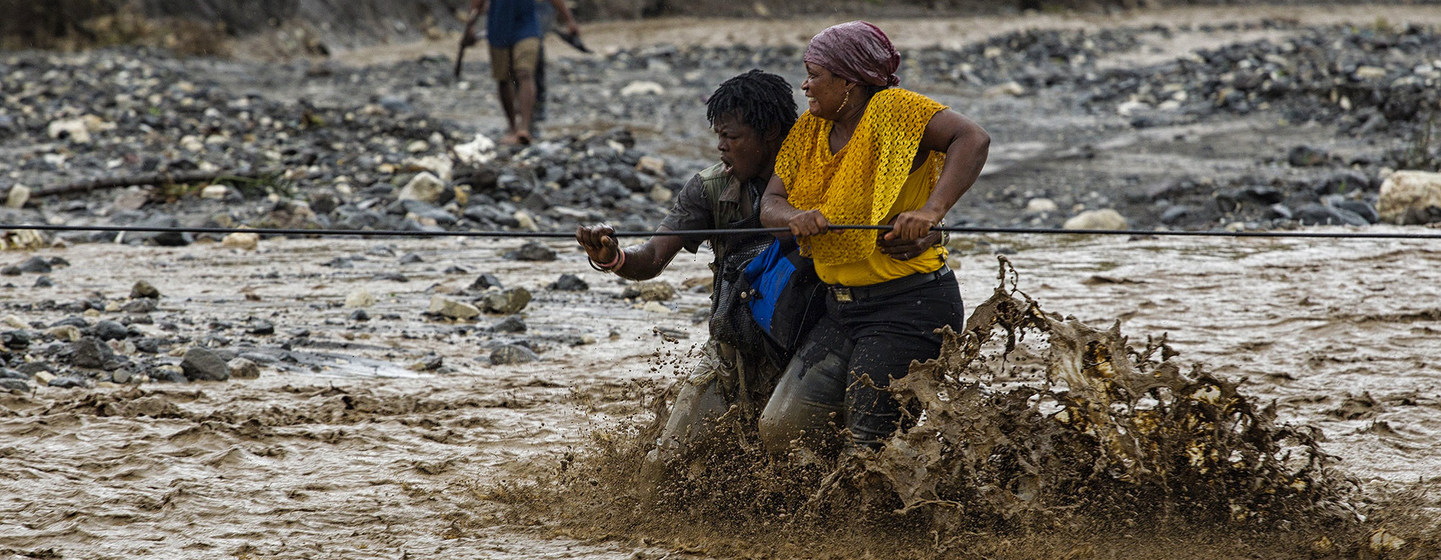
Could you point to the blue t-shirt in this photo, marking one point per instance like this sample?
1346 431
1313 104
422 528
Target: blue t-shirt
509 21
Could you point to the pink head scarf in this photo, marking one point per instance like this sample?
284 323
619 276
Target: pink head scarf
857 51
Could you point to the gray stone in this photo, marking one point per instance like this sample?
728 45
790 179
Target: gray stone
241 368
44 282
506 301
141 305
36 264
531 251
569 283
201 364
68 382
143 289
110 330
485 282
657 290
452 309
90 353
1306 156
1316 214
512 354
18 385
511 324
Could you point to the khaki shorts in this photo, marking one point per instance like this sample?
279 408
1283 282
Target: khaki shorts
520 59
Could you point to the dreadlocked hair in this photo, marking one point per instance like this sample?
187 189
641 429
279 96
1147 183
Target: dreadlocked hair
763 101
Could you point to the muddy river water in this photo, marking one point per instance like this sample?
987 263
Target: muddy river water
338 457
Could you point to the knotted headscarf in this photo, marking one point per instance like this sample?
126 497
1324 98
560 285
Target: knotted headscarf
857 51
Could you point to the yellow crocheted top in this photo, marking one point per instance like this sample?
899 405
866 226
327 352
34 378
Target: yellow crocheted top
869 181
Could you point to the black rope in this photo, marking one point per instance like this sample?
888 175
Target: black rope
733 231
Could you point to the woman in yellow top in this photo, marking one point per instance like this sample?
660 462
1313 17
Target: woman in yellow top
867 153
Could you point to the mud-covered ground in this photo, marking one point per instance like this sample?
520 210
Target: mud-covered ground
385 434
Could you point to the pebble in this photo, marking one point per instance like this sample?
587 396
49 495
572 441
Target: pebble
1107 219
511 324
532 251
243 241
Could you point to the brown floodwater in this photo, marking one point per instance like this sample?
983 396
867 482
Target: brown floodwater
336 456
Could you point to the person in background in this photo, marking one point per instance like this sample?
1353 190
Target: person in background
867 153
751 115
514 33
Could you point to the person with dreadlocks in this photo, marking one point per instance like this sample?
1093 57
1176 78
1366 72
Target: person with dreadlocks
751 114
867 153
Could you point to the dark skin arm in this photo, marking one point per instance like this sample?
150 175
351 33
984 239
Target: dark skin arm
966 146
642 262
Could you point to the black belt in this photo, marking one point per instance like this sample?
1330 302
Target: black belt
846 294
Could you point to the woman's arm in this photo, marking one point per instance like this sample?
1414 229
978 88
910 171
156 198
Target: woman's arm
966 146
776 211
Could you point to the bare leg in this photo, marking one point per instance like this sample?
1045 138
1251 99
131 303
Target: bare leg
525 103
506 90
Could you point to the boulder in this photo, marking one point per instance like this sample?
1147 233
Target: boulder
201 364
1411 197
506 302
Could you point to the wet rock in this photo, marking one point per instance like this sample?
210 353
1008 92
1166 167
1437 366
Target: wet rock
143 289
261 328
15 385
656 290
512 354
169 374
121 376
1307 156
1041 206
359 315
655 307
37 265
90 353
10 270
69 333
360 298
424 187
1358 207
485 282
452 309
243 241
1316 214
392 277
1410 197
137 306
511 324
411 258
109 330
17 196
69 382
148 345
569 283
44 282
1107 219
1176 214
505 302
203 364
15 340
532 251
241 368
1343 182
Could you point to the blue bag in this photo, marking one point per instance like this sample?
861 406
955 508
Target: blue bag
784 295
